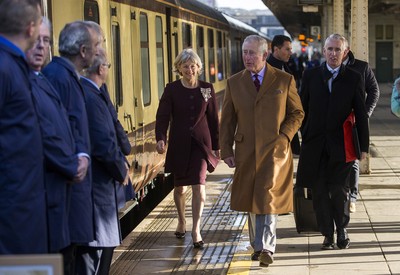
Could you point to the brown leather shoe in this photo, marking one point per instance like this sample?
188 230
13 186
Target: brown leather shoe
266 258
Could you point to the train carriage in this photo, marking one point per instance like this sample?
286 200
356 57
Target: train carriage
142 39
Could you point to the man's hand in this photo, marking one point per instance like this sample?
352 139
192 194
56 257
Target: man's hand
160 147
126 180
230 161
83 165
363 155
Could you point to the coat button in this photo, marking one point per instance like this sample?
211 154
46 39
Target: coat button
191 97
190 128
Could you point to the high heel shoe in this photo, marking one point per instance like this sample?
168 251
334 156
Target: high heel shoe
198 245
180 235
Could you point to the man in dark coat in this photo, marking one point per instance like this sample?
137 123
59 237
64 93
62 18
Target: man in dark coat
371 96
126 191
61 160
23 228
109 169
329 94
79 42
281 52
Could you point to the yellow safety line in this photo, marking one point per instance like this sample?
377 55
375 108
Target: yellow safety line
241 262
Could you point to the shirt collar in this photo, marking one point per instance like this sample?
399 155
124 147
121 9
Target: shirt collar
260 73
11 45
333 70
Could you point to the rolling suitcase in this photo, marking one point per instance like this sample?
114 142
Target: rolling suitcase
304 215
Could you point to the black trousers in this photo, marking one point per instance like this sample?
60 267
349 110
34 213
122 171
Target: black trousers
331 195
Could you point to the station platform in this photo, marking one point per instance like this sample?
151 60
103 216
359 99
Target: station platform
374 229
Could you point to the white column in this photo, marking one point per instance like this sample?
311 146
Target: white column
359 29
338 16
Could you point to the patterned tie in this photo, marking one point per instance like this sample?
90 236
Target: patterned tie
257 82
334 74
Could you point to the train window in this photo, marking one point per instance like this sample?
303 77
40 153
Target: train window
116 47
160 56
91 11
225 54
200 48
220 56
144 58
186 35
211 56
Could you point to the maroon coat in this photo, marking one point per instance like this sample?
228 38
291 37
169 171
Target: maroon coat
191 113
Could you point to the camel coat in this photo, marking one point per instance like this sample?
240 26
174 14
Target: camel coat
261 125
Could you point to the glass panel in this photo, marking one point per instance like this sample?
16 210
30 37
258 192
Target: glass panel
200 49
160 56
91 11
220 71
211 56
186 36
144 58
379 32
389 32
119 100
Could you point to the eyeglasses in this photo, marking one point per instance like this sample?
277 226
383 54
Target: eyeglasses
108 65
43 39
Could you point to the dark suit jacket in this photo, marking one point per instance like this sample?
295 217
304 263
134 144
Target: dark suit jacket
23 228
60 159
108 167
62 75
123 140
191 116
325 113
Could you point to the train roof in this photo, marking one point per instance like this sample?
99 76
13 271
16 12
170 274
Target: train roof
241 26
200 8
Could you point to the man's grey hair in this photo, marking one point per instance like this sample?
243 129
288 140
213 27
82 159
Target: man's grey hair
336 36
72 37
262 42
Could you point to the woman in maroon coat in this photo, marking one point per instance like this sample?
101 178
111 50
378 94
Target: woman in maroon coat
189 107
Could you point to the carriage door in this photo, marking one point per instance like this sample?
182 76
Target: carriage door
384 61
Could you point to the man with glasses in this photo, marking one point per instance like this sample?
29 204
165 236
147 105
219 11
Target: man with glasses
329 93
62 163
109 171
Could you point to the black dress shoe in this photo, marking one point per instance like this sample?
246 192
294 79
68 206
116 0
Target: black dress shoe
198 245
255 256
343 241
266 258
328 243
180 235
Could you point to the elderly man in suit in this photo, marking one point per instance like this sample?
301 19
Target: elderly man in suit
261 113
22 194
62 167
329 93
79 43
109 170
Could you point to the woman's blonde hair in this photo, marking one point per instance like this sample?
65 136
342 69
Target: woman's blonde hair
185 56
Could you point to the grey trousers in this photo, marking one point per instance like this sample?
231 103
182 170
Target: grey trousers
262 231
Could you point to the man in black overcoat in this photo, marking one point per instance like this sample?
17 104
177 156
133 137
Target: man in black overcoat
371 96
329 93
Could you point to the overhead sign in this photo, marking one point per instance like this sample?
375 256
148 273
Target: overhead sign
315 30
310 2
